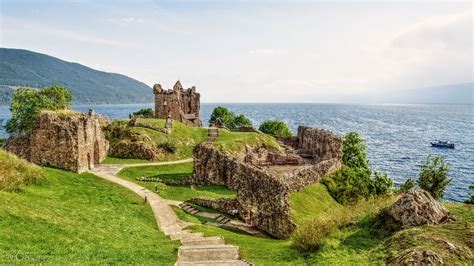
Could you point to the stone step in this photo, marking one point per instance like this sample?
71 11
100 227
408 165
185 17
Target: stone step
183 235
208 253
214 263
213 240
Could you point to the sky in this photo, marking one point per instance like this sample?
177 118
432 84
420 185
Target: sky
255 51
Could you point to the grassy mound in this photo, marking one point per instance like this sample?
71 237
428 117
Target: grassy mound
176 171
15 172
80 219
235 142
179 144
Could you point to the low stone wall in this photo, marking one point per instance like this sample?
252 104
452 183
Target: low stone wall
67 140
225 205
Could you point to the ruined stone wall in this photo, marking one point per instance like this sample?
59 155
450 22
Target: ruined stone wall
319 144
71 141
182 105
262 199
221 204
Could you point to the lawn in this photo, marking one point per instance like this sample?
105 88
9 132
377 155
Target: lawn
79 219
175 171
235 142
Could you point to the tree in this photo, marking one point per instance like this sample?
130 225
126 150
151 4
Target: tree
275 128
353 149
434 176
382 183
27 104
471 195
228 118
148 112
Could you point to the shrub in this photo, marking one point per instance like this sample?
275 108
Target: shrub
228 118
27 103
349 185
169 146
15 172
309 236
275 128
434 176
471 195
409 184
2 141
148 112
383 184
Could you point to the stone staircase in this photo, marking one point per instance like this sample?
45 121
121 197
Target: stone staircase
212 134
195 249
191 210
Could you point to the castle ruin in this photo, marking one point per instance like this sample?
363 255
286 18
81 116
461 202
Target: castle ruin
65 139
178 104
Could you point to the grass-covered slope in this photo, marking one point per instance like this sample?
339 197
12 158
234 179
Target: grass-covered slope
235 142
30 69
79 219
176 171
15 172
182 138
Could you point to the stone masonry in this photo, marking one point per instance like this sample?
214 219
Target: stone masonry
66 139
178 104
263 191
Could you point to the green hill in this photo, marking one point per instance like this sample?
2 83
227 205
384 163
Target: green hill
20 68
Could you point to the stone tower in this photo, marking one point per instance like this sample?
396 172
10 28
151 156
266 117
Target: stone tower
179 104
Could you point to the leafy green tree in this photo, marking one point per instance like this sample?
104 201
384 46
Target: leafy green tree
228 118
383 184
148 112
27 104
222 115
275 128
434 176
353 149
241 121
409 184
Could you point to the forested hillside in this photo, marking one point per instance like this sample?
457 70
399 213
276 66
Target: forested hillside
25 68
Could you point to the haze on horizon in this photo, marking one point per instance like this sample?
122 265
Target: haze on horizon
255 51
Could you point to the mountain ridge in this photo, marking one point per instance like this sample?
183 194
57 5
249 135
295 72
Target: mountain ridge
24 68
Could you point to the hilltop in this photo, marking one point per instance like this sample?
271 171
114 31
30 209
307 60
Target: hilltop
23 68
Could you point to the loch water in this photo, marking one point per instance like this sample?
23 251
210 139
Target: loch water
398 136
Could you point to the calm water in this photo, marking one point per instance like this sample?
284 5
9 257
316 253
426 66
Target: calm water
398 136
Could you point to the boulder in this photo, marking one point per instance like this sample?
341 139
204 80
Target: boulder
416 208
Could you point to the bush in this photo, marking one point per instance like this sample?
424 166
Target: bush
409 184
349 185
471 195
309 236
27 103
148 112
15 172
228 119
2 141
275 128
434 176
383 184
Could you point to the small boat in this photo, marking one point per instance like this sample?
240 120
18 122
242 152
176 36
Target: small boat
442 144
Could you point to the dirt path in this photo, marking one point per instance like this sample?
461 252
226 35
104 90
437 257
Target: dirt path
195 249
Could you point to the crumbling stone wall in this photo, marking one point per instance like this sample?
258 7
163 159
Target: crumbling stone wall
181 105
71 141
221 204
263 190
319 143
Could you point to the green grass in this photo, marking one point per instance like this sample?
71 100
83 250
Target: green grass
114 160
15 172
185 137
175 171
79 219
235 142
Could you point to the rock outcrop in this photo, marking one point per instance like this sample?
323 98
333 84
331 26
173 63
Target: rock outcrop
416 208
419 257
65 139
178 104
